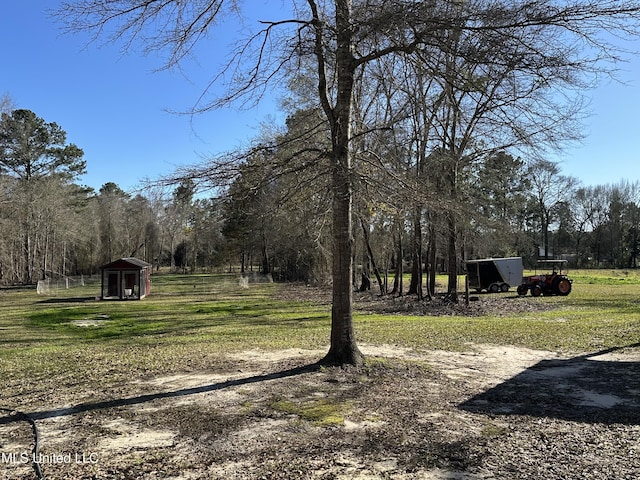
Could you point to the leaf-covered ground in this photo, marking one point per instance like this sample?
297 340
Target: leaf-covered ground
486 413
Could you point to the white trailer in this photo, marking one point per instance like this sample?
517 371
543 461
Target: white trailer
494 274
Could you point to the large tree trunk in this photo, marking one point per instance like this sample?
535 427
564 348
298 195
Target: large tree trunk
343 349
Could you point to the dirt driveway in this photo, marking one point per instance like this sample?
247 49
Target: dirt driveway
491 412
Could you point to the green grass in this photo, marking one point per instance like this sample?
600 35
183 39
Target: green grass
181 308
321 412
194 322
605 277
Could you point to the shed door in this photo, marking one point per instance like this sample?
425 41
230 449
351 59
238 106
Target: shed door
113 284
130 282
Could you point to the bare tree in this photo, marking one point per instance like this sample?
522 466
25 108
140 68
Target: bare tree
550 189
6 103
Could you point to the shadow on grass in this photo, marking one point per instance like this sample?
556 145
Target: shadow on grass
57 300
135 319
140 399
581 389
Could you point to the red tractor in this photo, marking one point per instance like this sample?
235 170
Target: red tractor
554 283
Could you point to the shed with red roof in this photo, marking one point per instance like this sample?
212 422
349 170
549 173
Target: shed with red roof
126 279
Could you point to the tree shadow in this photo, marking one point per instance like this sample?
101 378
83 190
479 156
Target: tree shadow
581 389
140 399
58 300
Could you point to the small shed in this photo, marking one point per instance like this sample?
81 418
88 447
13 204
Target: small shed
126 279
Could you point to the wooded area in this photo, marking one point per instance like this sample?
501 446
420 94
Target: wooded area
51 226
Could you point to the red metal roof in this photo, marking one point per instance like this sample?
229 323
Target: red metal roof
129 263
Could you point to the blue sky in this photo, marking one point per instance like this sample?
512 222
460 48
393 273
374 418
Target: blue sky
111 105
114 106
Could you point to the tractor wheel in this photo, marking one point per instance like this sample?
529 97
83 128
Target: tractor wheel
494 288
504 287
522 290
563 287
536 290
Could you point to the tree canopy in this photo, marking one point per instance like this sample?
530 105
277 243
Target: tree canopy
32 148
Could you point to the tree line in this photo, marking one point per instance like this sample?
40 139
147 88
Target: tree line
52 226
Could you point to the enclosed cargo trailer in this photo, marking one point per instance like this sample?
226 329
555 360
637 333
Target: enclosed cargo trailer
494 274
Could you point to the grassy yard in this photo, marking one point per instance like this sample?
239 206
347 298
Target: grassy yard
191 321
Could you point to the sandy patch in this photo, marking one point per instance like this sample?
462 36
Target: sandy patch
487 364
273 356
123 435
187 380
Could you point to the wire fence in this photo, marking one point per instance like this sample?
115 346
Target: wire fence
52 286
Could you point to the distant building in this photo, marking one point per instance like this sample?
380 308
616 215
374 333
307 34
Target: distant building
126 279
